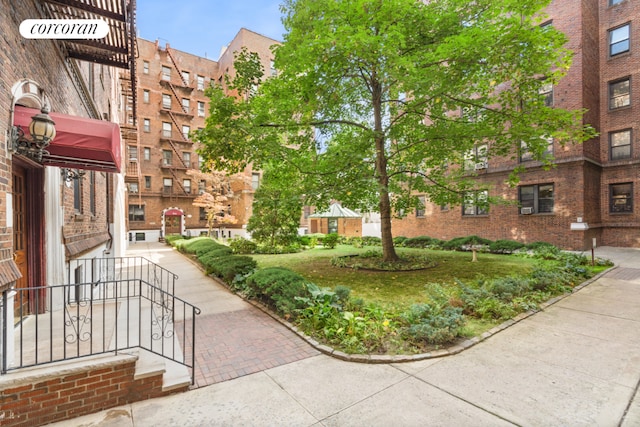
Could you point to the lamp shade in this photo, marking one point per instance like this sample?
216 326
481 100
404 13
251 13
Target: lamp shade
42 128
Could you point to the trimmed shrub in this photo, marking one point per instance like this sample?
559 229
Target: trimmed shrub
330 240
280 287
421 242
371 241
208 259
465 243
198 246
228 267
171 238
399 240
505 246
240 245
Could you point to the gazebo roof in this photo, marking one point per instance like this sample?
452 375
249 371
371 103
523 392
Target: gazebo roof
337 211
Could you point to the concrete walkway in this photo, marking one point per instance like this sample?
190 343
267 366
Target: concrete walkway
577 363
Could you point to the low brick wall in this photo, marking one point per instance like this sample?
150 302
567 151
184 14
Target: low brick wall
44 395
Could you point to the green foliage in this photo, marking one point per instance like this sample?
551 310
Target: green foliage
432 324
344 66
198 245
330 240
209 258
279 287
399 240
240 245
421 242
276 207
505 246
228 267
465 243
172 238
371 241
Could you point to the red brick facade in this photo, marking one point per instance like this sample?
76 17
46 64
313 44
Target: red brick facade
70 393
179 105
584 173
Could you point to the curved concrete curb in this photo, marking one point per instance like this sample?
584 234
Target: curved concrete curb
402 358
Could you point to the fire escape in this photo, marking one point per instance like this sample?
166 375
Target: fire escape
176 165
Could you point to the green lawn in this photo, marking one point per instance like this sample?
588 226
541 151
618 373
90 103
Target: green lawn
394 289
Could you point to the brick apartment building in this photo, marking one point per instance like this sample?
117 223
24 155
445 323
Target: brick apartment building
172 104
62 201
594 189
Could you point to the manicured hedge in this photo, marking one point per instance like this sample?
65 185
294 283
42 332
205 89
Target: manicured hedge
279 287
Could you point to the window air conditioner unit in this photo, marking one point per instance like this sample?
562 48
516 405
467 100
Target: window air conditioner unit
481 165
526 211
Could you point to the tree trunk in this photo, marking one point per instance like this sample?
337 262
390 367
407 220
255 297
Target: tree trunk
388 251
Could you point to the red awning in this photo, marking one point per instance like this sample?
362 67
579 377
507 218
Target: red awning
79 143
173 212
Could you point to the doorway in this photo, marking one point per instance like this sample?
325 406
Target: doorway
20 238
173 224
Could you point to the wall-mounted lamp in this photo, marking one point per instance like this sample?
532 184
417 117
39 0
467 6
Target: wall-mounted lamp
69 175
42 130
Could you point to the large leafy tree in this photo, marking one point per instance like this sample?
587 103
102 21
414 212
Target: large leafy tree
376 100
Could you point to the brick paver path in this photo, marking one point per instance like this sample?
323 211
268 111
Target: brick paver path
237 343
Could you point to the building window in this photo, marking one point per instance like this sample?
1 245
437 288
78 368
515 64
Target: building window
166 101
200 109
526 155
535 199
547 92
167 157
167 184
186 158
147 182
621 198
146 125
476 158
133 153
420 209
77 195
332 225
619 40
613 2
166 73
272 66
146 95
619 94
201 187
145 67
203 214
186 77
185 131
255 180
200 82
166 129
147 153
476 203
620 144
186 184
185 105
133 188
136 212
92 192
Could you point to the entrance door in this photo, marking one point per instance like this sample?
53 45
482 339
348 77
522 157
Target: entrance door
173 224
20 233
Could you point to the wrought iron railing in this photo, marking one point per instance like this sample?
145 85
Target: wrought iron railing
97 270
64 322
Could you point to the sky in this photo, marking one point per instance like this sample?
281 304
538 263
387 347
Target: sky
203 27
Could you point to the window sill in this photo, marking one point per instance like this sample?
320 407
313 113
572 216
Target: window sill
78 216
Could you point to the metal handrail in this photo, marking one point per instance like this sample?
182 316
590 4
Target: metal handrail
87 319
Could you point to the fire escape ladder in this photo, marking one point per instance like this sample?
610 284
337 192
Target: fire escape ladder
175 122
129 130
176 178
175 94
175 64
